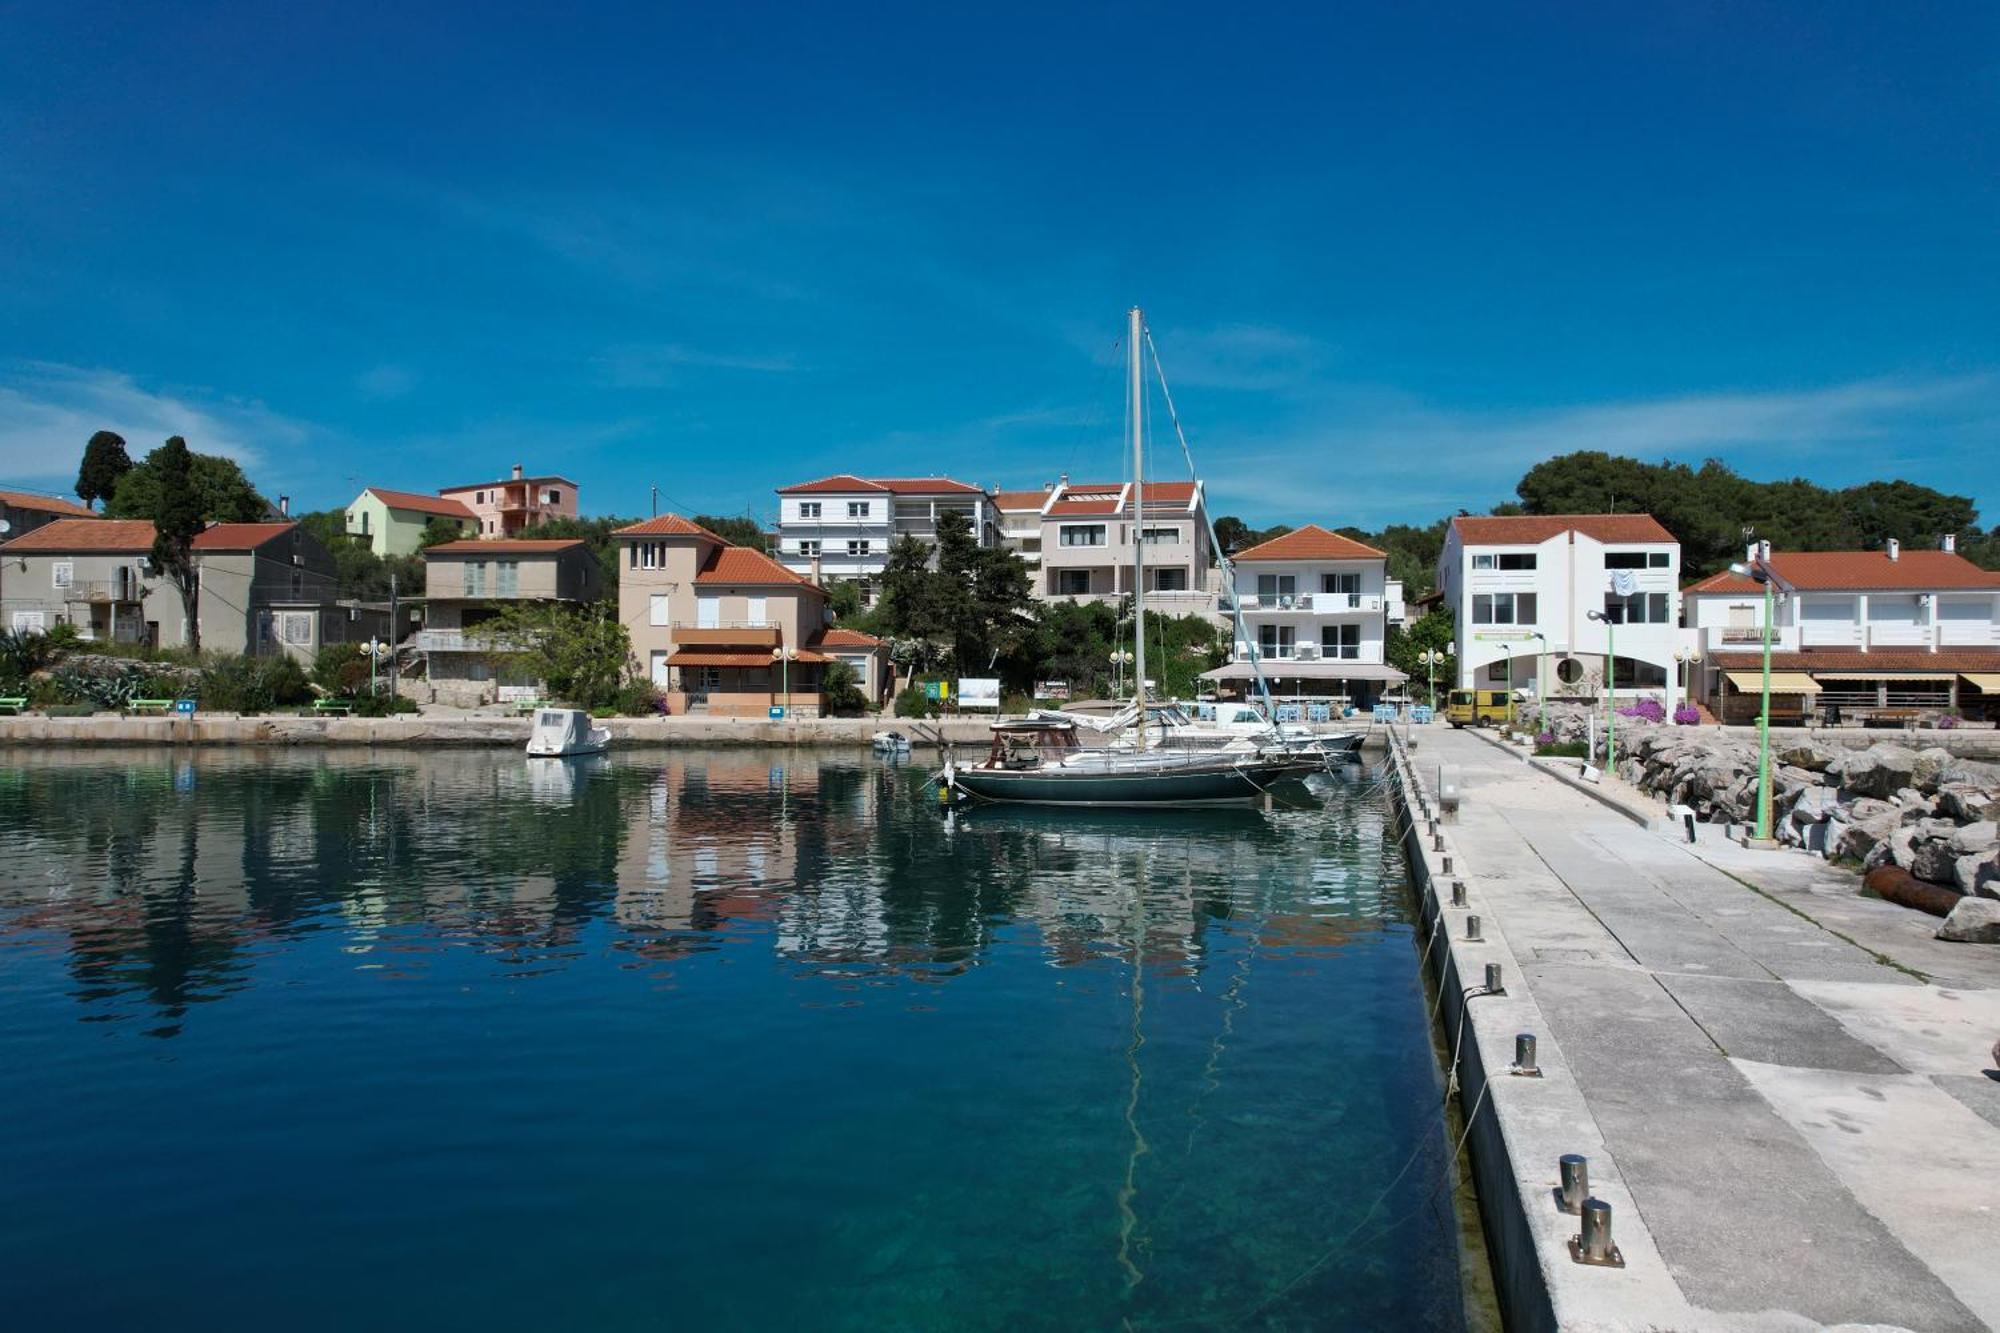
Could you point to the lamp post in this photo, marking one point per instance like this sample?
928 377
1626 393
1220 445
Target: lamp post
1689 659
1542 682
376 650
1760 570
1120 659
1431 659
1610 690
783 657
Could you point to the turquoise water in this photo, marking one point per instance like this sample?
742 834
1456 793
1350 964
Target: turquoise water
717 1040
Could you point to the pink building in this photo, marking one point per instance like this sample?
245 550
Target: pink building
510 507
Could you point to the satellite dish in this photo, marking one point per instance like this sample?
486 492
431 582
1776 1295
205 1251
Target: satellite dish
5 527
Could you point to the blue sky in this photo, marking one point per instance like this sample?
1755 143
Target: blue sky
1392 255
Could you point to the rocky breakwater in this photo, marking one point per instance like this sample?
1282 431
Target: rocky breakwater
1926 812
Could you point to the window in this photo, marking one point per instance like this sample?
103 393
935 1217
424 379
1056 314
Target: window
1170 580
1631 673
1274 641
859 547
1569 671
708 612
1276 585
1160 536
857 509
1641 608
1340 641
1341 583
809 548
555 495
809 509
1635 560
31 622
295 628
1082 534
1505 560
649 555
1503 608
63 572
298 585
658 610
509 578
755 613
1496 672
1072 582
364 522
475 578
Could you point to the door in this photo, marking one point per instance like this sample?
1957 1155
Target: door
755 614
660 670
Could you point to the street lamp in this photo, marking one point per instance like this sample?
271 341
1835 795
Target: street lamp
1431 659
783 657
1610 690
376 650
1542 681
1760 570
1689 658
1120 659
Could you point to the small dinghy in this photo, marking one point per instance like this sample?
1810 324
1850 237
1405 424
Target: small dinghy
561 732
890 742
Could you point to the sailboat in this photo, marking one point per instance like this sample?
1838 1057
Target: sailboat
1039 760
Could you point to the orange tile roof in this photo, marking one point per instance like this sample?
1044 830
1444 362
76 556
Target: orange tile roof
847 481
846 638
505 481
504 546
667 525
1945 660
1861 571
423 504
239 536
46 504
114 535
1311 542
740 564
1530 529
1082 508
1017 500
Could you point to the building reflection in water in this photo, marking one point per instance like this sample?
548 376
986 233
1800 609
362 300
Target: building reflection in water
163 881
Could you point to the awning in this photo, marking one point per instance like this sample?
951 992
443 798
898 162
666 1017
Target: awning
697 657
1938 676
1782 682
1293 669
1987 681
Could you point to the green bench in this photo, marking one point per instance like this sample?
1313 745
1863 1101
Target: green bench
149 705
340 707
523 707
15 705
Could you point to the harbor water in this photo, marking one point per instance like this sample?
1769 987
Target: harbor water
726 1039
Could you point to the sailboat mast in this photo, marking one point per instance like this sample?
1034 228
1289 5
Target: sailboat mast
1135 333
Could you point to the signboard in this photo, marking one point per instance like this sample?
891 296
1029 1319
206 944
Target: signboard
777 712
937 691
979 692
1052 689
185 707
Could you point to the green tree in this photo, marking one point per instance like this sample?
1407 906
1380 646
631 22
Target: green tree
177 520
580 653
739 530
221 493
843 597
840 690
1233 534
104 462
1431 632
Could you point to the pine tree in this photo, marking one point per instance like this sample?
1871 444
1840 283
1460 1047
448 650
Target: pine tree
104 462
177 521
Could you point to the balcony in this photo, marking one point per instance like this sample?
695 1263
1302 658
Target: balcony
1313 603
727 635
458 641
102 591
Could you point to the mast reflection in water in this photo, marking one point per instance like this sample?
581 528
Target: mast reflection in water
728 1039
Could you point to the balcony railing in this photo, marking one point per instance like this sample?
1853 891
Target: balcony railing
728 634
103 590
460 641
1314 603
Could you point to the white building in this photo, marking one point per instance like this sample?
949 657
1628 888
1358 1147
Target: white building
1521 590
842 527
1856 632
1316 608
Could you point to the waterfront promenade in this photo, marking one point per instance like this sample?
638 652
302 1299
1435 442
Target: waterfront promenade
1781 1085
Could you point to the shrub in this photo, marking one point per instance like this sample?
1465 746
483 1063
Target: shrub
912 703
1687 715
341 669
1947 722
841 691
638 698
1646 710
383 705
1562 750
251 684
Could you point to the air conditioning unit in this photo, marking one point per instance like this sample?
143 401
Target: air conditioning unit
1308 652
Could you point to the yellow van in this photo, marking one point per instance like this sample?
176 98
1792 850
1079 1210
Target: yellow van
1479 708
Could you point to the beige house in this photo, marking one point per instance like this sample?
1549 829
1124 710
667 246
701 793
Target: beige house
1087 537
21 512
726 629
467 583
512 505
394 522
265 587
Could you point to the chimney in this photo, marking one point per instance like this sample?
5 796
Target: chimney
1893 547
1948 543
284 506
517 472
1764 551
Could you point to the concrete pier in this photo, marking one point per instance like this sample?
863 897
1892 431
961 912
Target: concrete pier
1783 1088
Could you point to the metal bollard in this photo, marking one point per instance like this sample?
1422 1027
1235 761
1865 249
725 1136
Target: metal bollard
1493 986
1458 893
1593 1245
1447 865
1574 1169
1437 839
1524 1056
1472 928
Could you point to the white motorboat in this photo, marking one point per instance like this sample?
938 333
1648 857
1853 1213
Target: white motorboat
890 742
562 732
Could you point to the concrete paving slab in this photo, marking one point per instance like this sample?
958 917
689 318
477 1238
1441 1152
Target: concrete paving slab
1915 1157
1926 1029
1768 1021
1978 1093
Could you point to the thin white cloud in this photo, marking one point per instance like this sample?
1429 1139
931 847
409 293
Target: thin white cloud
1251 358
48 411
657 365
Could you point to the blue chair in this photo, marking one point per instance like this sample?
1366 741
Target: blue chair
1319 713
1385 712
1288 712
1421 714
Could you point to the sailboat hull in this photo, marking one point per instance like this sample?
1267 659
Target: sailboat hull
1186 785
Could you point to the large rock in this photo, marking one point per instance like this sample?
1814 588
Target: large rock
1929 769
1973 921
1899 849
1967 803
1981 837
1880 770
1815 805
1858 838
1807 755
1978 874
1933 860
